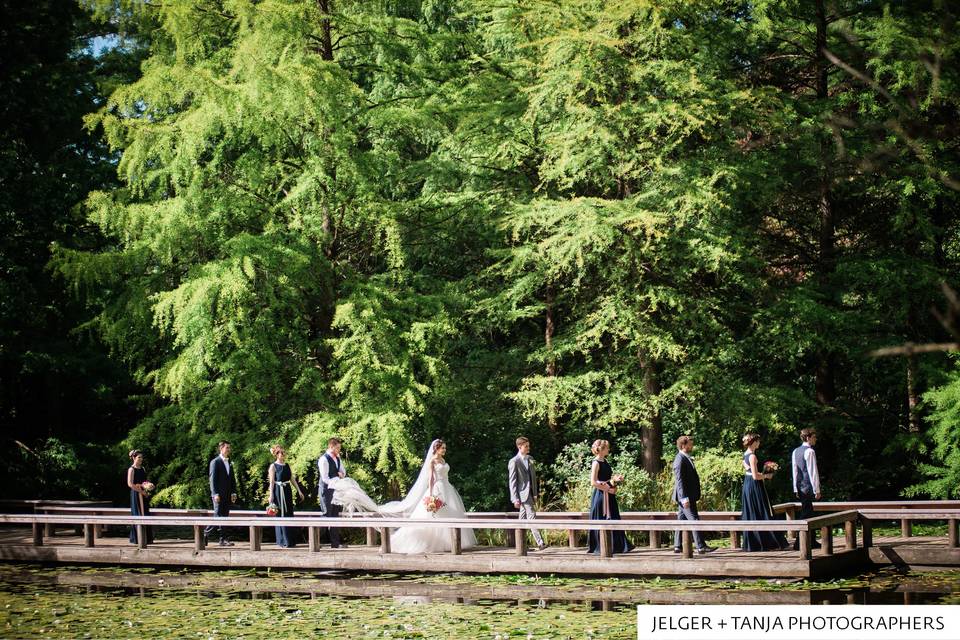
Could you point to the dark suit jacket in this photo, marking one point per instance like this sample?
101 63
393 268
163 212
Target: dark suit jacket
686 480
222 483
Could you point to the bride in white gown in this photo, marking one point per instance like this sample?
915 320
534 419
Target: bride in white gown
433 480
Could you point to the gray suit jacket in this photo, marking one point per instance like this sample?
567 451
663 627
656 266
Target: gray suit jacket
523 479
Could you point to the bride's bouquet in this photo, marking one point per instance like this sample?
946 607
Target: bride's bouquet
432 504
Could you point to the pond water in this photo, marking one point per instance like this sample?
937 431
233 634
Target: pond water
70 602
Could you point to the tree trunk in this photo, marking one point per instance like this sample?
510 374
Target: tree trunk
325 49
826 361
913 398
652 432
551 368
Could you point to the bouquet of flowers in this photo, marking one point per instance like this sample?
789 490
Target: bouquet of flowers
617 480
272 509
770 467
432 503
147 486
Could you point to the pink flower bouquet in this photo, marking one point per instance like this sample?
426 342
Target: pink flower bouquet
770 466
147 486
433 504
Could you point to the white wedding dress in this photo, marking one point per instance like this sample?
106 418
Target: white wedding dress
353 499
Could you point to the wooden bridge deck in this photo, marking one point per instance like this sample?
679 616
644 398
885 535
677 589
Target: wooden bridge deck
16 545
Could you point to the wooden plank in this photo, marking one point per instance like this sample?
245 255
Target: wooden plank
687 544
455 542
385 541
806 547
605 544
953 537
850 534
770 564
826 540
88 535
199 541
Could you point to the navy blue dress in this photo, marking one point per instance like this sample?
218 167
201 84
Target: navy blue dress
618 538
756 506
282 496
139 505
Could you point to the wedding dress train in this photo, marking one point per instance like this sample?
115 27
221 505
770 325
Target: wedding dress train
353 499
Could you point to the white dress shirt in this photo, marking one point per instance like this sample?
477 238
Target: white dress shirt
810 459
226 463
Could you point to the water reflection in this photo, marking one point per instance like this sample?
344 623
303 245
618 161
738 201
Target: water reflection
886 587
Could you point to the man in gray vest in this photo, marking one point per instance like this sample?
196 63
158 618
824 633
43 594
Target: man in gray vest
806 478
522 477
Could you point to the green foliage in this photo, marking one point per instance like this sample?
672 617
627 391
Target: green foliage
469 219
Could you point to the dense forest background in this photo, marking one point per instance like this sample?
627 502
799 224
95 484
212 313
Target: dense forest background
281 220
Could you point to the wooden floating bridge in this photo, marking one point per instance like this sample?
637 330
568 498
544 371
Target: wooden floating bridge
33 537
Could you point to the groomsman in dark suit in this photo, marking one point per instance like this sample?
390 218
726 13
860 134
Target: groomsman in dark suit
223 490
686 492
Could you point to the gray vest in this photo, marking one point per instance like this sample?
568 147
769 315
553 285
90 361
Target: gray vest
804 483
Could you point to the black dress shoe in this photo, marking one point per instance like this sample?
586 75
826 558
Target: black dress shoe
703 550
677 550
226 543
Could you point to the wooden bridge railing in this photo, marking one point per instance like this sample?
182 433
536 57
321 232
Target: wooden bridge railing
255 525
905 511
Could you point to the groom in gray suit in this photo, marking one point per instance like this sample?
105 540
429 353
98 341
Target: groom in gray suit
523 485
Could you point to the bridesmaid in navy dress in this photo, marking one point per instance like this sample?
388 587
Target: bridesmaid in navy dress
603 504
756 503
281 493
139 497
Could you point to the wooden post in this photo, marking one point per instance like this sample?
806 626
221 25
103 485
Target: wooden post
571 538
37 534
455 542
867 525
313 539
654 539
790 514
88 535
687 536
521 542
371 537
906 528
50 531
826 540
385 540
806 551
734 539
254 538
850 531
199 541
605 544
954 537
141 537
510 536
